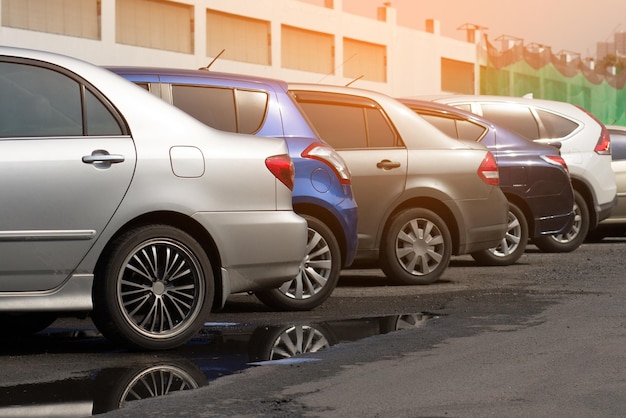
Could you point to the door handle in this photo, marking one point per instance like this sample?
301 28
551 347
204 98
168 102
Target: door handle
102 158
387 164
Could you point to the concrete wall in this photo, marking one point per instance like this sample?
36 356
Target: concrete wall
413 56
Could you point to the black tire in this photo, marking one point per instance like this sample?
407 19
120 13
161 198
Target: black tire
512 246
318 275
416 247
572 239
155 290
24 324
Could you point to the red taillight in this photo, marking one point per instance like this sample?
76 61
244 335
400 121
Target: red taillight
603 146
556 160
488 170
281 167
330 157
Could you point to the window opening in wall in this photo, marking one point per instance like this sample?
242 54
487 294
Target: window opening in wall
241 38
457 76
79 18
364 59
158 24
308 50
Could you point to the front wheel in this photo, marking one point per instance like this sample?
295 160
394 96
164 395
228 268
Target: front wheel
416 247
572 239
512 246
155 290
318 275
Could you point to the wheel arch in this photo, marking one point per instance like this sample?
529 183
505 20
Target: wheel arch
585 190
430 203
186 224
523 206
329 219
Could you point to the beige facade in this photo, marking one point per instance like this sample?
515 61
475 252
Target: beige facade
295 40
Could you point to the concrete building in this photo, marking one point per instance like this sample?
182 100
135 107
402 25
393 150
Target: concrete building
294 40
620 43
603 49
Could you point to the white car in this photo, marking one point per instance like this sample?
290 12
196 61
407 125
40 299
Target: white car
119 205
615 225
585 146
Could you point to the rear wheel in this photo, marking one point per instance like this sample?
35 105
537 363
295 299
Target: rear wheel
416 247
569 241
512 246
318 275
155 290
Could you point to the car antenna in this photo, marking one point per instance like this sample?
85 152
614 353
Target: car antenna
214 59
356 79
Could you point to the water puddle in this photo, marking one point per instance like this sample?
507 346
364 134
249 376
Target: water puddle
220 349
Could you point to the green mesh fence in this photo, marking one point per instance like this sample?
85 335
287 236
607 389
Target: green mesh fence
518 72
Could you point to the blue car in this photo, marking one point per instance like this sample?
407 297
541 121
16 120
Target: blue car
322 191
533 176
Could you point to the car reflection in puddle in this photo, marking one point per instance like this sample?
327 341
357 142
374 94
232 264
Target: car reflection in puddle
220 349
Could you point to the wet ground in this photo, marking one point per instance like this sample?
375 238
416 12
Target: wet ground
69 370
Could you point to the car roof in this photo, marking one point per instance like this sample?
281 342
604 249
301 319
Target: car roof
445 108
499 130
403 118
201 72
553 105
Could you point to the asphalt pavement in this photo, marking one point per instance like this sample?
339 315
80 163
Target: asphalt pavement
542 338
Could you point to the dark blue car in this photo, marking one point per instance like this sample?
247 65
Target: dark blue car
322 191
533 176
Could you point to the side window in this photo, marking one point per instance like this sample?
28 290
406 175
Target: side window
445 125
515 118
342 126
380 133
556 126
212 106
99 119
251 110
348 122
458 129
618 146
470 130
37 101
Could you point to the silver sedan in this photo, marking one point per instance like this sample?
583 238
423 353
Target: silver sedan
117 204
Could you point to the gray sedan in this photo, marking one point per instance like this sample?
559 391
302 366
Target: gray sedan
422 196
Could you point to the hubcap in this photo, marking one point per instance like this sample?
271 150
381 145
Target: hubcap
296 340
574 230
315 269
419 247
511 240
157 381
160 288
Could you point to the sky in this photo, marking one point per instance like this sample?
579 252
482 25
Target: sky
574 25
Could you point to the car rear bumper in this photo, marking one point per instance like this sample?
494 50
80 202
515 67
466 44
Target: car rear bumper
554 224
605 211
348 221
258 250
484 222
